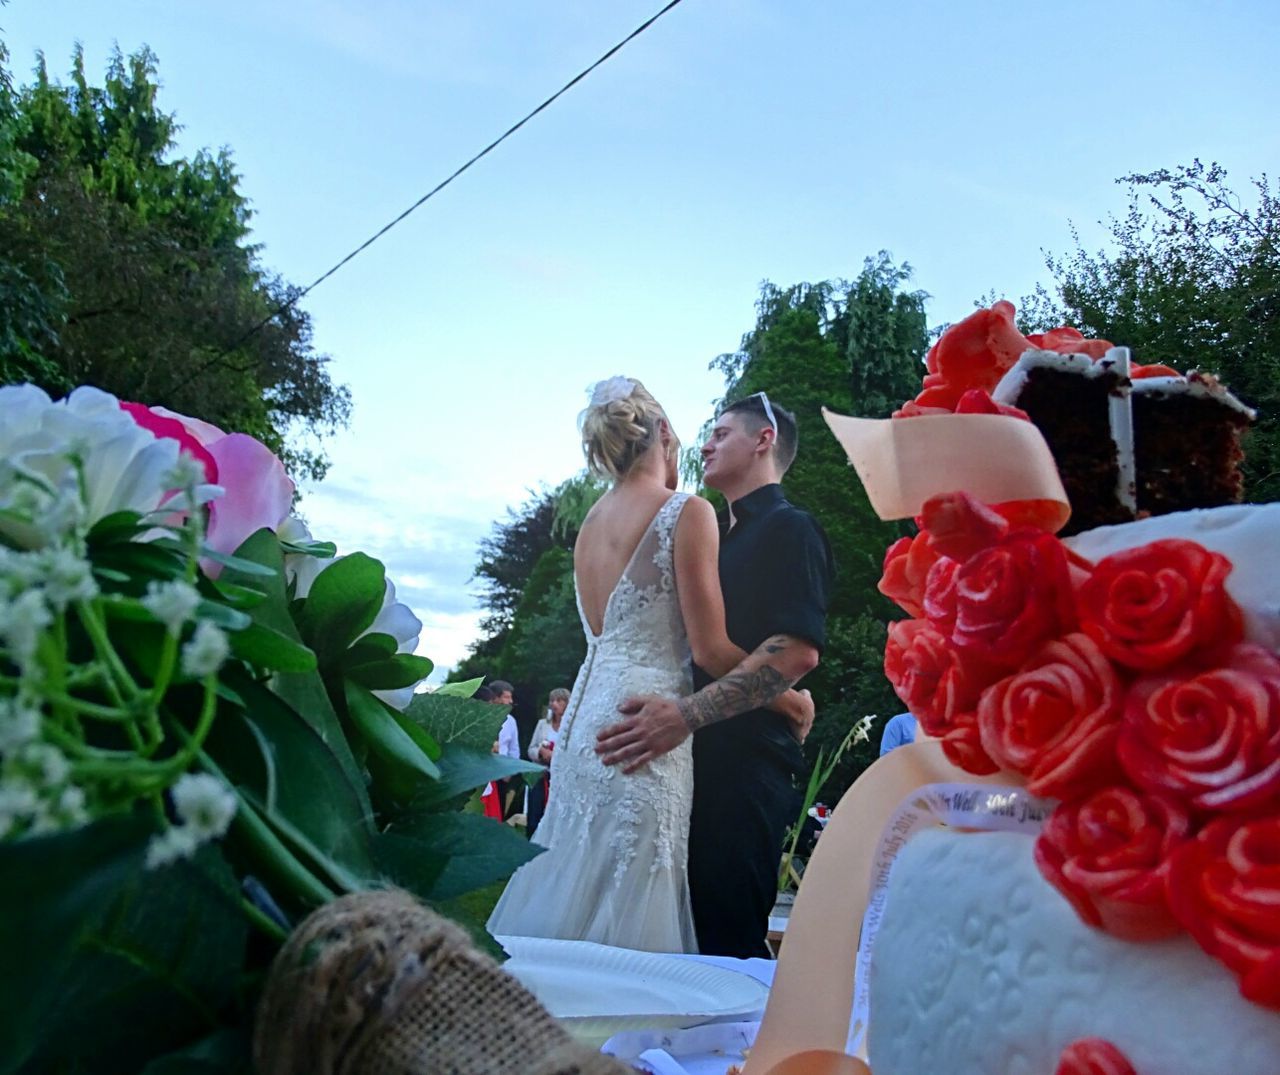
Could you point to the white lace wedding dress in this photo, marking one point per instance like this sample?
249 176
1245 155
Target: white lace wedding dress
615 869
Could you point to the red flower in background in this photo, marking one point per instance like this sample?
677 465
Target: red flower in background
1093 1056
1057 719
1224 888
164 426
1155 605
1212 739
1109 856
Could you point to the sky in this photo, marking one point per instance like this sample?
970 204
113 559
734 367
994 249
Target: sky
628 228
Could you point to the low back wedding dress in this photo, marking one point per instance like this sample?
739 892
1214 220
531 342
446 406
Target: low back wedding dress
615 869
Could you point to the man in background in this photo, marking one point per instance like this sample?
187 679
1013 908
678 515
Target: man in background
900 731
502 693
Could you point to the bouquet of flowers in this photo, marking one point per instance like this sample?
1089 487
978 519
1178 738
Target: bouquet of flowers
1123 689
208 727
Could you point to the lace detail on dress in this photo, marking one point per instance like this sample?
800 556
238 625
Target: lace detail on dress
615 871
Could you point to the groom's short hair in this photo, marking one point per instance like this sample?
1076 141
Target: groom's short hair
788 435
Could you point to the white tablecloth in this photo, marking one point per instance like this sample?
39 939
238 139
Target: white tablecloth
704 1050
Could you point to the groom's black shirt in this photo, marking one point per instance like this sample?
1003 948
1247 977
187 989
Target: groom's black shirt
776 572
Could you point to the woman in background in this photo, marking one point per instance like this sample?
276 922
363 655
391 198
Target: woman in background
541 744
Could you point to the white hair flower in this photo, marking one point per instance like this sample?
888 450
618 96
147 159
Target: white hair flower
172 603
206 651
611 390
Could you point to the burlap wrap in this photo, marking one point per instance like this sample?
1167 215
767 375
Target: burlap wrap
377 984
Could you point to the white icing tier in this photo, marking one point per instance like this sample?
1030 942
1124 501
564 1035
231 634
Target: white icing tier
981 968
1193 384
1247 534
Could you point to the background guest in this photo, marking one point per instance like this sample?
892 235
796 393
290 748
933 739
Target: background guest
541 744
502 693
898 732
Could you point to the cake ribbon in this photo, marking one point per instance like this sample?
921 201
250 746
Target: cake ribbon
807 1021
997 459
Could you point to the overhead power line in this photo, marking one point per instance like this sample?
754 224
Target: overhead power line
445 182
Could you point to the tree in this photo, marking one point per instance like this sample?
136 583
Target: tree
1193 280
125 266
531 633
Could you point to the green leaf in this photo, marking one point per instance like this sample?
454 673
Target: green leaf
56 889
242 566
462 689
475 851
267 648
303 692
118 526
366 649
322 550
229 619
225 1052
141 562
344 600
463 769
402 670
461 721
156 972
425 742
233 594
313 790
409 764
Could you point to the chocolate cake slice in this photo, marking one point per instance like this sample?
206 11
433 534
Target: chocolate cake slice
1079 405
1187 434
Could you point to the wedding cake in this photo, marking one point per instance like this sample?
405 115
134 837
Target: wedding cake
1129 440
1118 695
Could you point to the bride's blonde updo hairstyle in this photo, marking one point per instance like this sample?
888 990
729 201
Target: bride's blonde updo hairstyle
620 424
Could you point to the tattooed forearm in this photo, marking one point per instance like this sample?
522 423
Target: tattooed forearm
739 691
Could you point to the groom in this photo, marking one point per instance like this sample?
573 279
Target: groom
776 572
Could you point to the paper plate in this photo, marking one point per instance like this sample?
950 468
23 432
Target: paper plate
597 991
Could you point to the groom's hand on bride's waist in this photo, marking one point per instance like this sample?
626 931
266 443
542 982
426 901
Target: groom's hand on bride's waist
650 727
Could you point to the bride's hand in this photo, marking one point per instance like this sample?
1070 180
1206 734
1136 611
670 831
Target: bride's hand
653 726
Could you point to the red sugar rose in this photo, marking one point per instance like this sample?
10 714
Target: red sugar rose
1056 720
939 689
1212 739
1093 1056
906 568
976 352
1224 887
1069 341
1011 598
960 525
1152 606
1109 854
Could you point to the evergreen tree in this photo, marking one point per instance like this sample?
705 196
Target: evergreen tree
125 266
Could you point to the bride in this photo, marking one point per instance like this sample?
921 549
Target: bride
645 569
